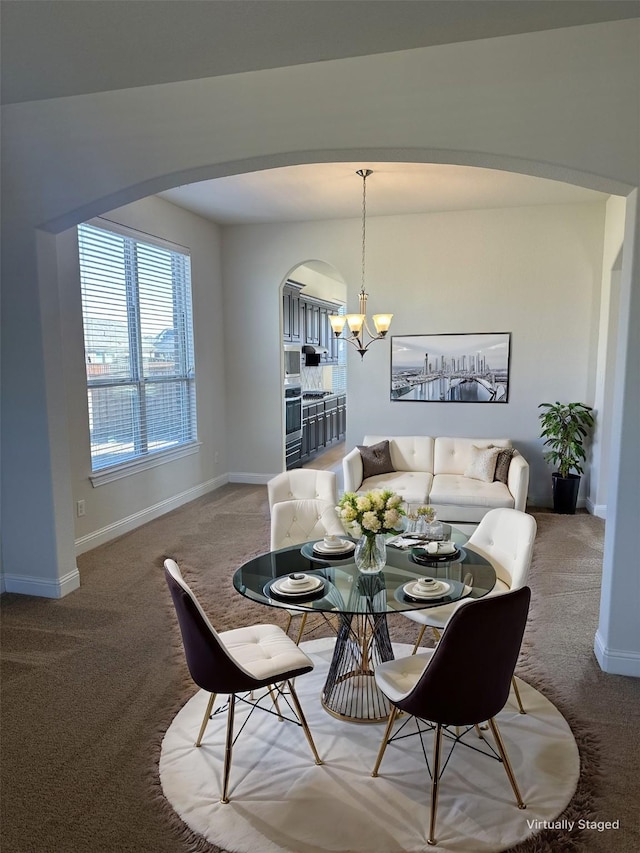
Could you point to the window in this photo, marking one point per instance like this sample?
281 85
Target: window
340 370
138 338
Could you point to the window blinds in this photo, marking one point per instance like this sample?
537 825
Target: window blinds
138 335
339 374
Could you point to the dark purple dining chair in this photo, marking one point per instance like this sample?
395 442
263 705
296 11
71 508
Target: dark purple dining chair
235 662
463 682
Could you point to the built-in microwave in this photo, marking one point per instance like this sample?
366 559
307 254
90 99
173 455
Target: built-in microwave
292 363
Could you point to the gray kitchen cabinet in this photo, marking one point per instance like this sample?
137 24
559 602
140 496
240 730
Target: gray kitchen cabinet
291 308
342 416
305 320
323 423
310 429
311 322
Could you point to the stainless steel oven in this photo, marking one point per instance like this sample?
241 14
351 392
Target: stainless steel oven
293 424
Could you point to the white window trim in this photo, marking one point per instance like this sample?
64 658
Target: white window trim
135 234
150 460
127 469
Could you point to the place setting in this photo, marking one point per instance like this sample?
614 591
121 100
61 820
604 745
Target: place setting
296 586
436 552
330 548
432 589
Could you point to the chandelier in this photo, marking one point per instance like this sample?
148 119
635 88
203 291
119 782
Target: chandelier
358 322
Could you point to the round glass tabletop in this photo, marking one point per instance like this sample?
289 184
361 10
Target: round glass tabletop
338 586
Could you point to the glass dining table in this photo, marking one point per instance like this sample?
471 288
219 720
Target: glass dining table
357 605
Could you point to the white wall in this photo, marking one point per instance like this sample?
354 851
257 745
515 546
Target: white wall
115 507
322 284
561 104
606 355
617 641
529 271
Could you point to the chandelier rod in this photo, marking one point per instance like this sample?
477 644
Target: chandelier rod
358 322
364 174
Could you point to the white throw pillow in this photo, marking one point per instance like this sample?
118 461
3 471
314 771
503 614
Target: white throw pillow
483 463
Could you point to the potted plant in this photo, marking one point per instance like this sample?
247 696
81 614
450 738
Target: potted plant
565 426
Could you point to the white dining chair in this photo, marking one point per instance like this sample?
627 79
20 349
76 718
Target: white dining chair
303 484
461 683
294 522
253 663
505 538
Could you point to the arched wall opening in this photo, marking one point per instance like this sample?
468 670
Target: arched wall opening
506 103
311 292
237 352
137 192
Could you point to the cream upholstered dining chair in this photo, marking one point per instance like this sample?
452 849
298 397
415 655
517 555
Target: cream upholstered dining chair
505 538
240 661
461 683
303 484
294 522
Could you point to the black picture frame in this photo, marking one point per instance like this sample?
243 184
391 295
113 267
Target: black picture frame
459 367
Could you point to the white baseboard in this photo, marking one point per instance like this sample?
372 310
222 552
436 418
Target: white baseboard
599 510
124 525
616 661
253 479
27 585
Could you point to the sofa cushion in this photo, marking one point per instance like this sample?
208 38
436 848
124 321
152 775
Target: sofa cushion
502 465
412 486
376 459
408 452
482 464
452 455
456 489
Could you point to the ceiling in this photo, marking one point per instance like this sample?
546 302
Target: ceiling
333 191
58 48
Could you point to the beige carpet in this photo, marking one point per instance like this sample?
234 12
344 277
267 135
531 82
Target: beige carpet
91 682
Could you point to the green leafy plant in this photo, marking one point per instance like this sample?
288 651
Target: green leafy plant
427 512
564 426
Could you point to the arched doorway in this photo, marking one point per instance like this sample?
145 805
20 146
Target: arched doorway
311 293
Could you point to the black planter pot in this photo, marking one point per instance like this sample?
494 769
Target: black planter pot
565 493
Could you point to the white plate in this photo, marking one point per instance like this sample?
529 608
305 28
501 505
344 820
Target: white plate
444 548
442 590
283 587
346 546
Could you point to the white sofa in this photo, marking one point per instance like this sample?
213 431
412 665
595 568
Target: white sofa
431 470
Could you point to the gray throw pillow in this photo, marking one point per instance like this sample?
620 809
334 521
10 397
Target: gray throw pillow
376 459
502 464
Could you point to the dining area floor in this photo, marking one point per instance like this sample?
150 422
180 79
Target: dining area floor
91 684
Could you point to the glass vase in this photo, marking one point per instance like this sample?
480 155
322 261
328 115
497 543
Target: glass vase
371 553
435 530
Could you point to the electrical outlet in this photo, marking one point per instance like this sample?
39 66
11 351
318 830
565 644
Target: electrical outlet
80 508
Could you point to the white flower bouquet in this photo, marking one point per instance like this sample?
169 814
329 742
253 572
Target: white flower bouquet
377 511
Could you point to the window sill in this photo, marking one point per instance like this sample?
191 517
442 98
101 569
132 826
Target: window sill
126 469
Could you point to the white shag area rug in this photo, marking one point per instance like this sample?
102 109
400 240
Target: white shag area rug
281 801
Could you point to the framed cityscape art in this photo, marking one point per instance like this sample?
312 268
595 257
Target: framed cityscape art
457 368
